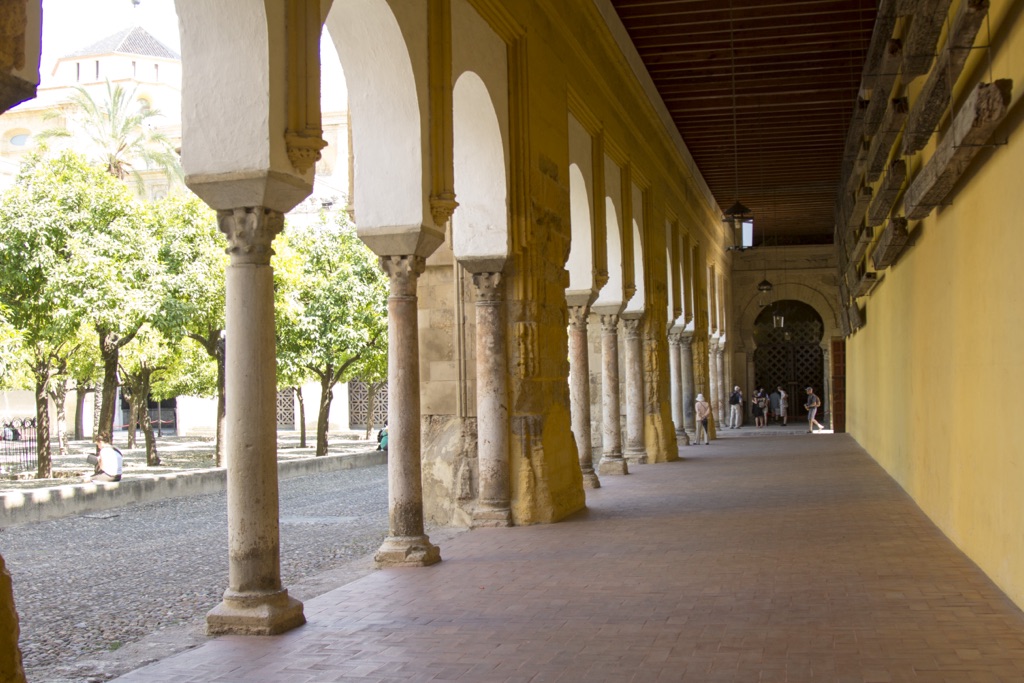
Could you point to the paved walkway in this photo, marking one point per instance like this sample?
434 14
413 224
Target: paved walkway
793 558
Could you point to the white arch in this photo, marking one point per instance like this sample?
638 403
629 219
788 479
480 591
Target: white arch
612 296
581 247
387 124
638 302
480 238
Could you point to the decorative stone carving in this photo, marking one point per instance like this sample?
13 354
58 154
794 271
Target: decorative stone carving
442 206
250 231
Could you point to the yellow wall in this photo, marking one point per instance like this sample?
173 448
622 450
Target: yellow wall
936 375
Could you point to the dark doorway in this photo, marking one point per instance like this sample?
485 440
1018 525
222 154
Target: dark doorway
788 338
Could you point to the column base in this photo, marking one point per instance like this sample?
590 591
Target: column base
613 466
491 517
682 438
407 551
254 614
636 458
590 480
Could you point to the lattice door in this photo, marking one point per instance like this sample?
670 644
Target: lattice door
790 357
358 404
286 409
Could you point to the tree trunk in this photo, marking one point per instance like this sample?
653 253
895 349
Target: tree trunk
152 459
326 382
302 417
371 396
109 352
45 465
97 401
219 355
80 412
59 393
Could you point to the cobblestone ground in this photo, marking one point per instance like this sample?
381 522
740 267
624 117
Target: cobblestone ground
102 593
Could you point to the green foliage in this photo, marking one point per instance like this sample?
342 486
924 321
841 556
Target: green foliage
332 302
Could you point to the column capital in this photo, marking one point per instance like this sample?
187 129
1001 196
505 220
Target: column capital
578 316
632 327
403 271
685 340
488 287
442 206
250 230
609 322
675 338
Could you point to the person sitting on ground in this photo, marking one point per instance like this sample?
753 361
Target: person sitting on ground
109 462
382 438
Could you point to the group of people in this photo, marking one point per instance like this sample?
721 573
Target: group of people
764 407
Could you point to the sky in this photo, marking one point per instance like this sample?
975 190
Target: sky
72 24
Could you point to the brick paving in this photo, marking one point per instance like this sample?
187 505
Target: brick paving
793 558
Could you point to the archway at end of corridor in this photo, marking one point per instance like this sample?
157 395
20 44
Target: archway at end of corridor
788 336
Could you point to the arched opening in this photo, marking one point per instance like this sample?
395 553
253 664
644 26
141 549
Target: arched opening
789 354
480 224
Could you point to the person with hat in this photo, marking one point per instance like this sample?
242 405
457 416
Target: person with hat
703 410
812 405
735 408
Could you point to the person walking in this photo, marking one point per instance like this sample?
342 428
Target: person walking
812 405
735 408
760 407
703 410
784 406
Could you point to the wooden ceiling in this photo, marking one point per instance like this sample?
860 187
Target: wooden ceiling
770 83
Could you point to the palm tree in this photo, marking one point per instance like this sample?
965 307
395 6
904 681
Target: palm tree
121 134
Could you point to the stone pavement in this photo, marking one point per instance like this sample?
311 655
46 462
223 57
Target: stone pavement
792 558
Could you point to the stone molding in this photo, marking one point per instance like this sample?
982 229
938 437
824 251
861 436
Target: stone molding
488 288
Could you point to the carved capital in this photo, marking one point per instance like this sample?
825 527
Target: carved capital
250 231
610 324
578 317
442 206
675 338
631 326
304 148
488 287
685 340
403 271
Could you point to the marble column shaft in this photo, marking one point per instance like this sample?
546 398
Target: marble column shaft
579 392
254 603
636 449
686 368
723 389
713 378
612 461
676 382
406 545
494 504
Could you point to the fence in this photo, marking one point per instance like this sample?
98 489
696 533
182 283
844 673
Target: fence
18 445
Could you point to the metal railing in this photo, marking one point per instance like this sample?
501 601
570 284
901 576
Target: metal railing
18 445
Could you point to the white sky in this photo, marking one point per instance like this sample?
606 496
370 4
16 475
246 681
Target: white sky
72 24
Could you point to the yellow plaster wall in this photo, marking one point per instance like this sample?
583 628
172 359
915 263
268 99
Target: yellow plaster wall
935 377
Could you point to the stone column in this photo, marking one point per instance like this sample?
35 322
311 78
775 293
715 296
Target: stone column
612 461
826 385
713 378
254 603
406 544
686 369
579 392
723 389
675 371
494 503
636 449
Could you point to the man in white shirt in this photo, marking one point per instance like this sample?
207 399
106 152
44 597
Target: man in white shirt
110 462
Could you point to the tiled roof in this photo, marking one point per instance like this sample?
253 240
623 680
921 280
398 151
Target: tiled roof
134 41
